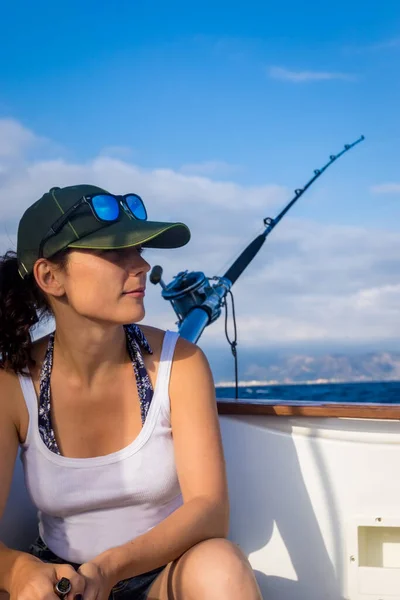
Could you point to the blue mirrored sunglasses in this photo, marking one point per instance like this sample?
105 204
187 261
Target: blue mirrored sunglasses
105 208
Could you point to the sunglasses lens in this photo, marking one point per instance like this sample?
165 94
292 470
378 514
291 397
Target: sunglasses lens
136 206
106 207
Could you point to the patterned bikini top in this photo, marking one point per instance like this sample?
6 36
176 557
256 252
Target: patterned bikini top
135 341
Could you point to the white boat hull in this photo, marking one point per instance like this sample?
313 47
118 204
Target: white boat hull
300 488
315 504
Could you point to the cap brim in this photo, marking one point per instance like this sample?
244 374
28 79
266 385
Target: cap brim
123 234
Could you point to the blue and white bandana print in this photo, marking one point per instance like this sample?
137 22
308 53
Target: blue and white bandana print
136 342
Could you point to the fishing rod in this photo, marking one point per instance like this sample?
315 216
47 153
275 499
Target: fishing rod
197 299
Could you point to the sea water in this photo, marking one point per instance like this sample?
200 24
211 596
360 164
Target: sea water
387 392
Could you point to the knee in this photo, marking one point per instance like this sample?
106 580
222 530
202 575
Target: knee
218 560
220 552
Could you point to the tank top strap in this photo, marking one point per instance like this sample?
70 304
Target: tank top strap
164 369
29 393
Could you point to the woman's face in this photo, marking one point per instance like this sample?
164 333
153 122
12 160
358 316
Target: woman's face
107 285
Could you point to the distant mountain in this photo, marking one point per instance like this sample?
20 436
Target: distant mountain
297 368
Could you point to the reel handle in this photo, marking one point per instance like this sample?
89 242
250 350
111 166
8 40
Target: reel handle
156 276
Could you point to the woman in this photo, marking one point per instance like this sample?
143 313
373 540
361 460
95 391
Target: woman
123 458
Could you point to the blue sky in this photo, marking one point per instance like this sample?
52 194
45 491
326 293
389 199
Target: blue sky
247 94
183 82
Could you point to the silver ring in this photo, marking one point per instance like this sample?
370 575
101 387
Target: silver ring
63 587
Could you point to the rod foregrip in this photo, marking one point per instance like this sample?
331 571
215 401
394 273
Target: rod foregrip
240 264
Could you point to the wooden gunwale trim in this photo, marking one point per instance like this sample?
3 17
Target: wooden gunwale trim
354 411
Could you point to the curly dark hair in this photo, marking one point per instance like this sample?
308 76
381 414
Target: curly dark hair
22 305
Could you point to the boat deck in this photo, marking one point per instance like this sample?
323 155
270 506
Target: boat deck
309 409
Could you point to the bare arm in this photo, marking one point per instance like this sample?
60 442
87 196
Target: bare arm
21 574
201 471
8 453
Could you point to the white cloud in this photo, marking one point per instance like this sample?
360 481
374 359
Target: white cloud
164 189
14 139
123 152
321 283
284 74
310 281
386 188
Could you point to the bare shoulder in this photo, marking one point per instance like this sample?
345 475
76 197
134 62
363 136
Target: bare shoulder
8 381
9 397
189 360
155 337
12 403
187 352
191 373
152 332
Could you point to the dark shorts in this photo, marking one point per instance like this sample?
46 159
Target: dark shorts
135 588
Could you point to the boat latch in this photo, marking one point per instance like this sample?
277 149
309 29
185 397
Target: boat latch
374 559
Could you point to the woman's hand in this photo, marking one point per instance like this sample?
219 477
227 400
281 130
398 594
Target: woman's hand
97 582
33 579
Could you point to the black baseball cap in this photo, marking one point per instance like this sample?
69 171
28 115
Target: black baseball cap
83 230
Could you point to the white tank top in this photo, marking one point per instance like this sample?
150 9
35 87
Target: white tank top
88 505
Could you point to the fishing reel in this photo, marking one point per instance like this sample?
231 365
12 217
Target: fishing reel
189 290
